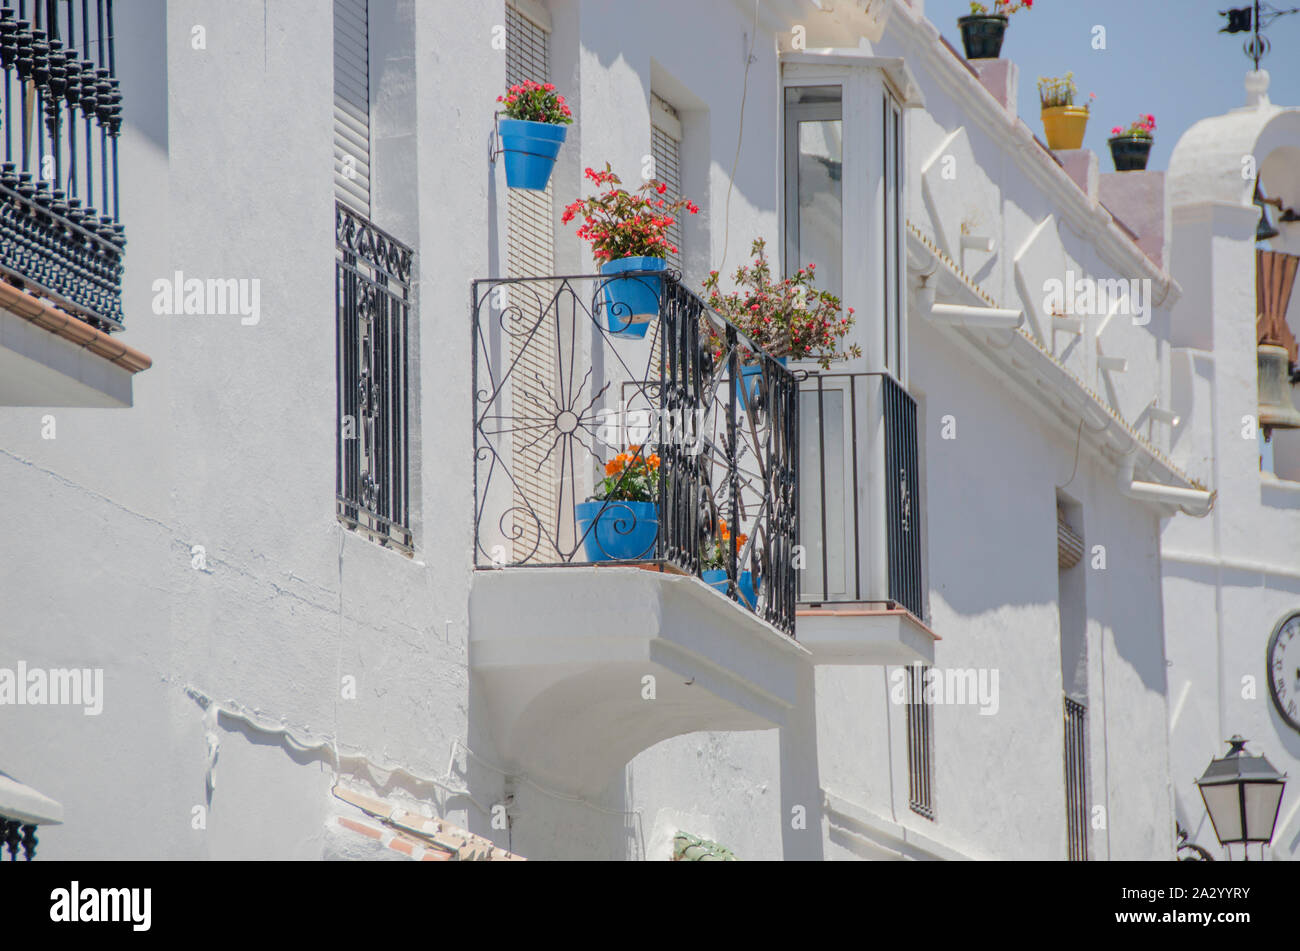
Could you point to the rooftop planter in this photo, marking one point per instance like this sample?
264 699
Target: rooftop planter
1064 123
982 30
1130 148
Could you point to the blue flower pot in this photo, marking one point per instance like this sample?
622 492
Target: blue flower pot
750 379
716 578
623 531
631 303
530 150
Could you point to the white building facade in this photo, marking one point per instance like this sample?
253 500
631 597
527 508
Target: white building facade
326 552
1232 580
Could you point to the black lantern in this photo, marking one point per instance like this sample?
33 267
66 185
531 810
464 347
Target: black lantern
1242 794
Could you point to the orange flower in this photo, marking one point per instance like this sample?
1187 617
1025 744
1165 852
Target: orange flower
633 450
653 462
613 467
741 539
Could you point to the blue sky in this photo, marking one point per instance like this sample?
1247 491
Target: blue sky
1165 57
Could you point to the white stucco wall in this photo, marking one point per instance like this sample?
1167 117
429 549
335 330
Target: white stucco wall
230 446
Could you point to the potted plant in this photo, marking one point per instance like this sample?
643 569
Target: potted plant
532 133
788 319
628 232
1063 121
1131 148
713 565
621 521
982 31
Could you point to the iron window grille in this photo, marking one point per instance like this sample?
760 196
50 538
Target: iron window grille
1076 775
920 744
373 309
61 236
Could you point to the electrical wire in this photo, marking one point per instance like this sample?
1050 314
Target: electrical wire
740 137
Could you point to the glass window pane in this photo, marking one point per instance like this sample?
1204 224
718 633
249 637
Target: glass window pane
820 200
814 183
828 502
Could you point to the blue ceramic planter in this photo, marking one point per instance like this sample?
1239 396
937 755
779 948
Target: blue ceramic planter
632 302
716 578
530 150
751 377
623 531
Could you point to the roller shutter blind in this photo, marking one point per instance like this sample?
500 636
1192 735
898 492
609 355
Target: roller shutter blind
352 104
530 252
666 148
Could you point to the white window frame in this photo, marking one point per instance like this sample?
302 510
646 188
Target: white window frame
869 85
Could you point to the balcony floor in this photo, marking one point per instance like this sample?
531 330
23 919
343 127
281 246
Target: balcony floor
562 655
48 358
867 632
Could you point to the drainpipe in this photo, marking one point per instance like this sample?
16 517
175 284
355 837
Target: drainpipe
1194 502
996 318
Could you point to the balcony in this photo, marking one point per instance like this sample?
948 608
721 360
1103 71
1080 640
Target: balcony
862 592
635 525
61 238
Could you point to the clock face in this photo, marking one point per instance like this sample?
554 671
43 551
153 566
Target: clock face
1284 669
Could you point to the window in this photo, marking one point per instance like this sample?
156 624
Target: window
1076 809
920 744
352 105
372 316
814 166
666 149
530 252
1072 618
893 263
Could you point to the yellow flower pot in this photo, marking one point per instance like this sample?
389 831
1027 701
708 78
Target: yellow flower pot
1065 126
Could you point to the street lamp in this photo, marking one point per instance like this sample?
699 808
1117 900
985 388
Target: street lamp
1242 794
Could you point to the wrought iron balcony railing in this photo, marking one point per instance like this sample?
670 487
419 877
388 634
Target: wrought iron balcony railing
859 497
678 449
60 231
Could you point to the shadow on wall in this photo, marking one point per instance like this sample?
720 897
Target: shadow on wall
993 520
141 46
719 35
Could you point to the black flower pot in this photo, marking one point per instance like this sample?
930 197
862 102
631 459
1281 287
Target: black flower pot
1130 152
982 34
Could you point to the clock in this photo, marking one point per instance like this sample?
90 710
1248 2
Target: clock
1283 659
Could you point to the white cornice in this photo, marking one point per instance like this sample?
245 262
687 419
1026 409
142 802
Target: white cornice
906 88
1045 385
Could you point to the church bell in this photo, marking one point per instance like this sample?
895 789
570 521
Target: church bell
1276 409
1275 275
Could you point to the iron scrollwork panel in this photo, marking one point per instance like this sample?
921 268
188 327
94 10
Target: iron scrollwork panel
373 312
592 393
